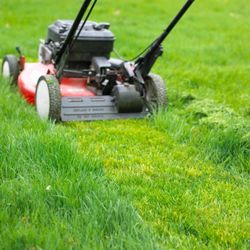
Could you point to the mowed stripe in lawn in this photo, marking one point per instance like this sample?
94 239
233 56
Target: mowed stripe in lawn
189 202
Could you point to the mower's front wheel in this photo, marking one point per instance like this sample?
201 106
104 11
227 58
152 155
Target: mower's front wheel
155 93
48 98
11 68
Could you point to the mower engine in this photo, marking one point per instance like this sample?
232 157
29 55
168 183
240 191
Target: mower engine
91 50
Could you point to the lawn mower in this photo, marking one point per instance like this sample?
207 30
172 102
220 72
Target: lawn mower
75 78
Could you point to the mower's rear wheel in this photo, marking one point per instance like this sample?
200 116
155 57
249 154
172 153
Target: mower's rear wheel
155 93
11 68
48 98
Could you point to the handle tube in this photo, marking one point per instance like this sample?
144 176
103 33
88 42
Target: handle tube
173 23
146 62
70 37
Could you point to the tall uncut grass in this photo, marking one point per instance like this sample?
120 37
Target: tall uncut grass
54 197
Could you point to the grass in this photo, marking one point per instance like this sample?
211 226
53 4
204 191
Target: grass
179 180
53 196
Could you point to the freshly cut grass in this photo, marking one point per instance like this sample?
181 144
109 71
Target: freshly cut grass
191 202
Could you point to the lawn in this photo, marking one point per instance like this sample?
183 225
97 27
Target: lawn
177 180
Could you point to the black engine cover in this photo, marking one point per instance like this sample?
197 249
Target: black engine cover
94 40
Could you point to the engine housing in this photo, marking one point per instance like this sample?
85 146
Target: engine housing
95 40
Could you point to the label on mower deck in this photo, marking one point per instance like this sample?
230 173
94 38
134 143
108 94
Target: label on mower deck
93 108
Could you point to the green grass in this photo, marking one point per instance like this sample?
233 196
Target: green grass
53 196
179 180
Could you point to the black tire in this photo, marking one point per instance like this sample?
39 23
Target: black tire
48 98
10 68
155 93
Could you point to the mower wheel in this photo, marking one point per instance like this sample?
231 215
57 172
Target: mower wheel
11 68
48 98
156 93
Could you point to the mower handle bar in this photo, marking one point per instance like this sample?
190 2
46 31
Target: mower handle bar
173 23
146 62
70 38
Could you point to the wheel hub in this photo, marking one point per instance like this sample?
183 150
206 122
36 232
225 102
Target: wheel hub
6 69
43 100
